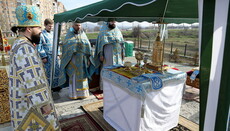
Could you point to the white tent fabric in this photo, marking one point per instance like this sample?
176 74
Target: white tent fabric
216 78
220 24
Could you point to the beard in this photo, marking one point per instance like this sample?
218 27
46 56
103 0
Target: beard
111 26
76 31
35 38
48 31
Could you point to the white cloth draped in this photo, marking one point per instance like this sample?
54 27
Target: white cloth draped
161 108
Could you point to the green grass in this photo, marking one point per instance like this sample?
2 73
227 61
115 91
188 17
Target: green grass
92 35
89 35
178 37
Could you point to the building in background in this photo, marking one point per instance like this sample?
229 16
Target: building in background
7 14
8 17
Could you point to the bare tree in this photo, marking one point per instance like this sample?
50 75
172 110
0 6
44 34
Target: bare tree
136 31
149 35
136 34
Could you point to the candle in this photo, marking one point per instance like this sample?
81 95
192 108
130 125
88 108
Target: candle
5 48
9 47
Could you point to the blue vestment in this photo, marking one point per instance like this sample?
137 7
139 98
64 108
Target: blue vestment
29 90
112 38
76 52
45 50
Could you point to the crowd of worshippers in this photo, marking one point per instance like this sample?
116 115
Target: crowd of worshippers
31 61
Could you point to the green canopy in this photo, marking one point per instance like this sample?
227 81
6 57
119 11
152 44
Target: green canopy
171 11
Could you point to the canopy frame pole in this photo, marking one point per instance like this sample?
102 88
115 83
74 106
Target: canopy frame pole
166 6
57 27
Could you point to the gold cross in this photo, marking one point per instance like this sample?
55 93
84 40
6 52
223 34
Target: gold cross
34 126
28 81
23 109
20 57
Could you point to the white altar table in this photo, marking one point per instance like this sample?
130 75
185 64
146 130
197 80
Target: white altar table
132 105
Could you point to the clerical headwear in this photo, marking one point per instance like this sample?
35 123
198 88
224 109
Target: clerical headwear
28 16
77 21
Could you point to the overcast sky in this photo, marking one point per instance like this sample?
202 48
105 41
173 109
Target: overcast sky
72 4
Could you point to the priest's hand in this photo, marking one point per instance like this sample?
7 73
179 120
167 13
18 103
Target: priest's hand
44 60
46 109
101 58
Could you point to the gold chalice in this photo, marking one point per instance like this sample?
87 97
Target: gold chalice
139 57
